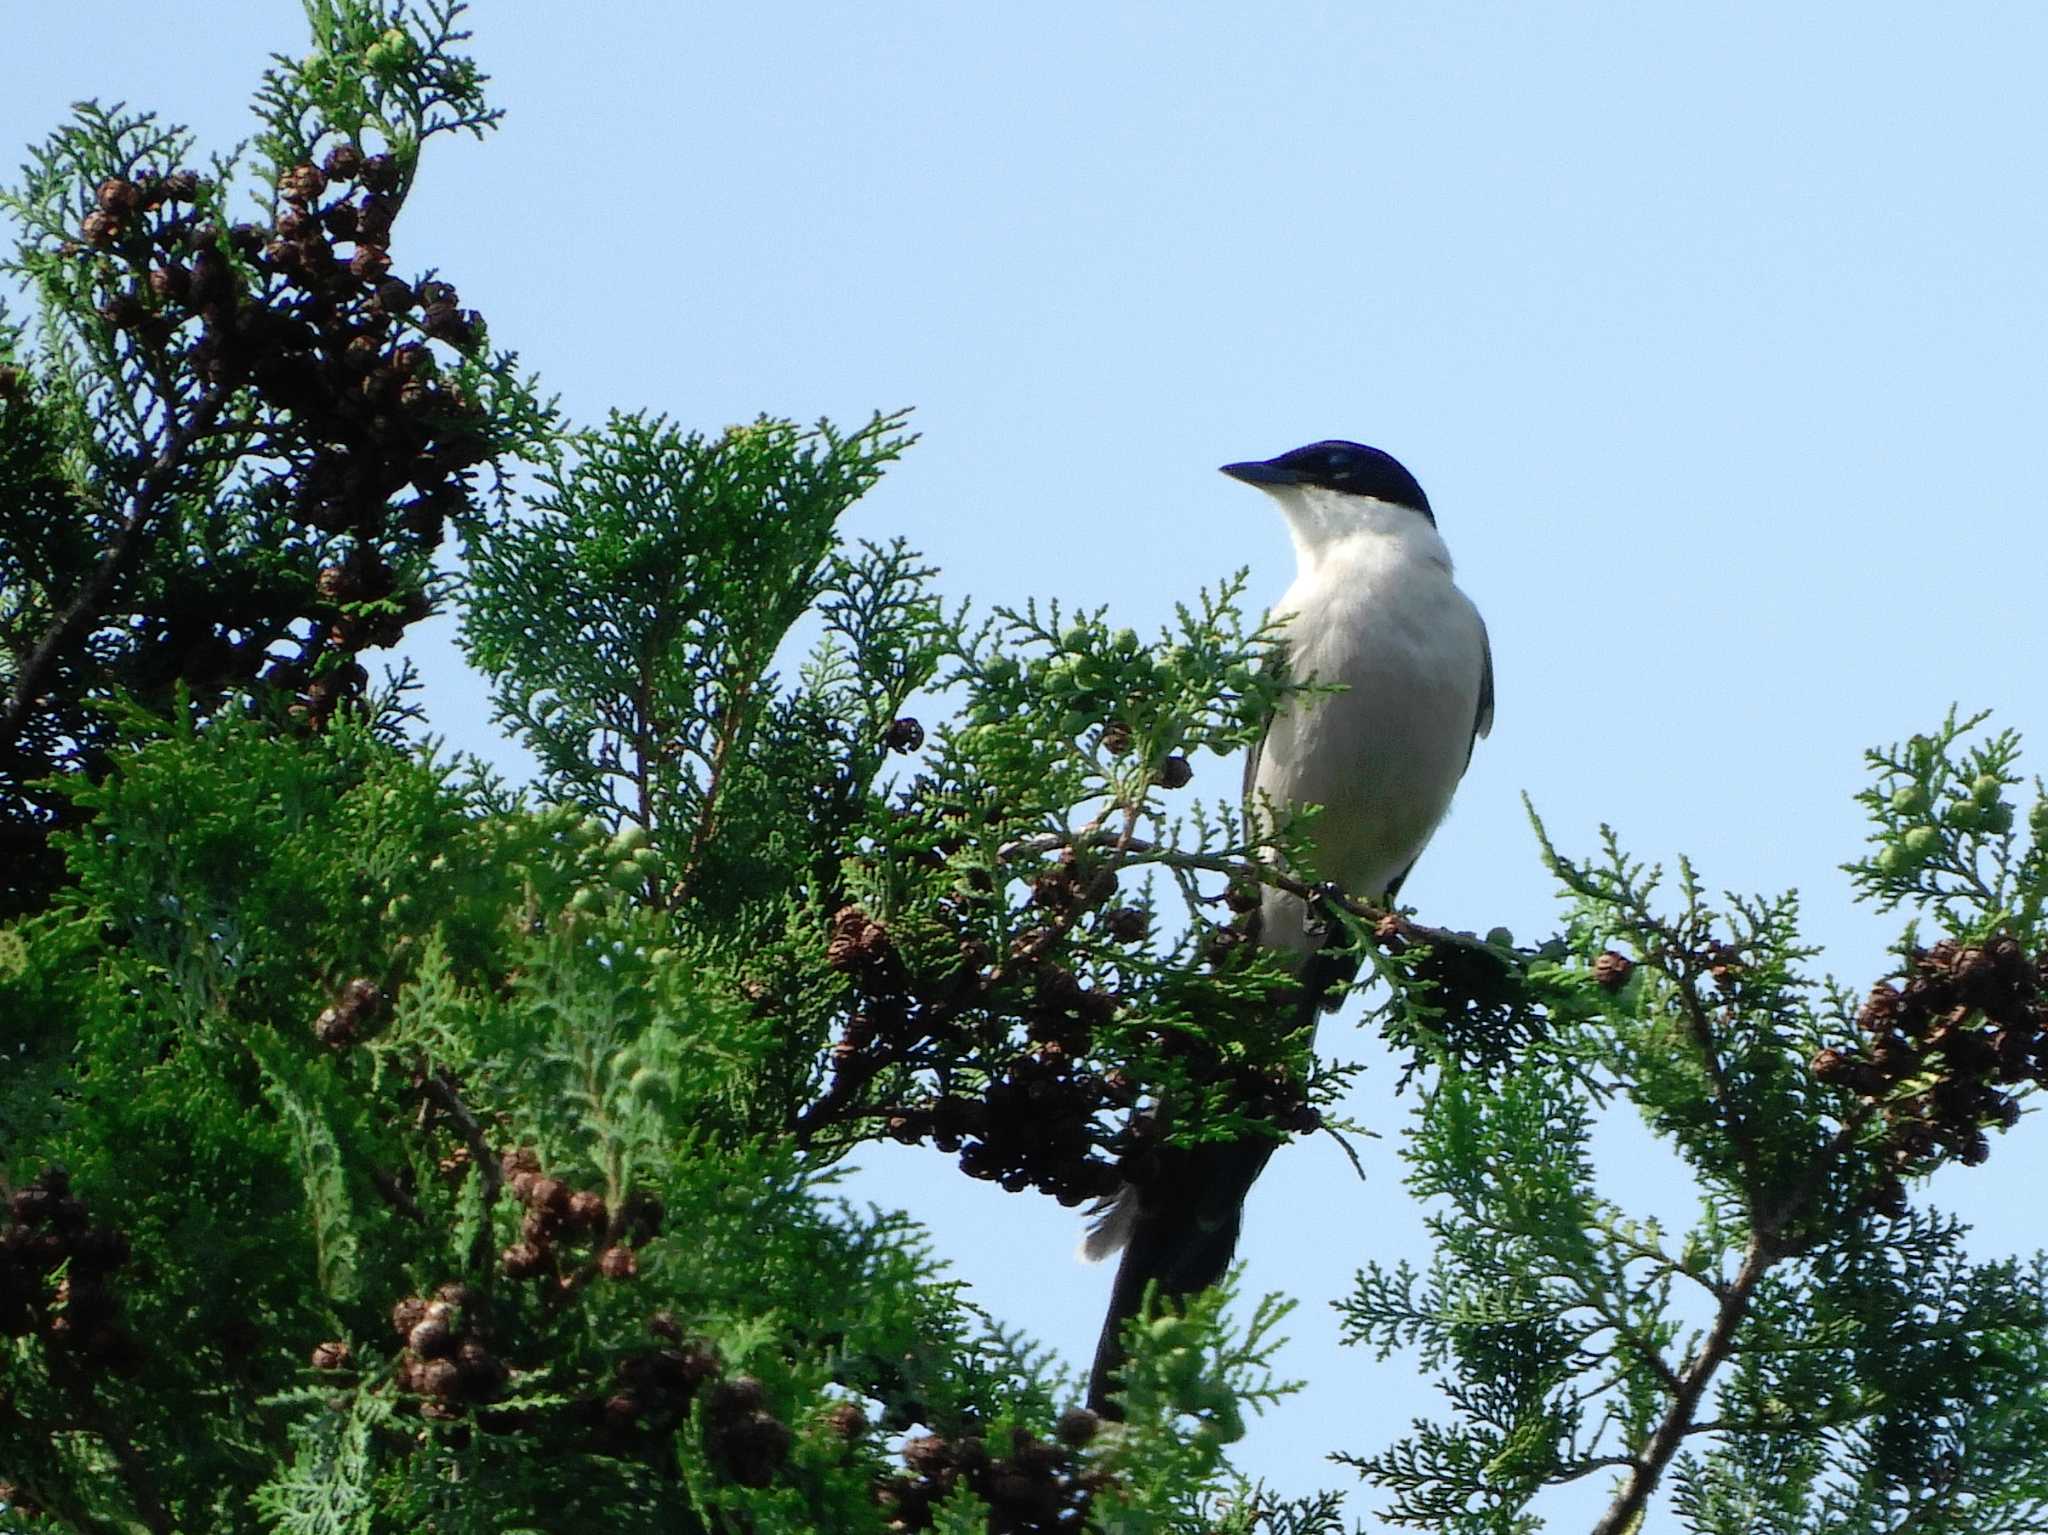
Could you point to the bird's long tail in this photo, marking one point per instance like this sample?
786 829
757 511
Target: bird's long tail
1180 1229
1179 1232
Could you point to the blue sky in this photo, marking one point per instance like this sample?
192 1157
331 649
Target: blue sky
1716 335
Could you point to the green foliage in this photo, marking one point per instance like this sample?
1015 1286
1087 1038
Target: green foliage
633 617
1814 1354
348 1057
1949 838
207 1113
1187 1383
389 1150
380 76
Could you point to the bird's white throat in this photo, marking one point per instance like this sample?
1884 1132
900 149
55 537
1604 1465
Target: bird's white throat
1321 520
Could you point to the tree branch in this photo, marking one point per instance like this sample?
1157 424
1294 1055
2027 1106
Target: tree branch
730 727
149 500
1649 1466
441 1093
394 1195
1136 850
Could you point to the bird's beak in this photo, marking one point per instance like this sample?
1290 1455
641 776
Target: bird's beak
1262 472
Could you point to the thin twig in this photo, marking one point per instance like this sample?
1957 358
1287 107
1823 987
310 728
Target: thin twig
396 1196
1573 1470
1357 1166
850 1076
441 1093
1137 850
730 727
1703 1037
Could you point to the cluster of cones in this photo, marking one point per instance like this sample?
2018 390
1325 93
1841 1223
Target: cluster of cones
1944 1046
353 1014
303 313
559 1217
1035 1121
1037 1488
1037 1115
447 1360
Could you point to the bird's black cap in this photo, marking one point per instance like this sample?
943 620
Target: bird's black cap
1350 467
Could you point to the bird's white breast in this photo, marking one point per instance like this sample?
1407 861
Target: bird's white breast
1378 613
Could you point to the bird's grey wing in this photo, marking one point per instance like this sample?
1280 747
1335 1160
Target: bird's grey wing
1258 748
1482 720
1254 754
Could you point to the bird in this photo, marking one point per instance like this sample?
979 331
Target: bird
1373 610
